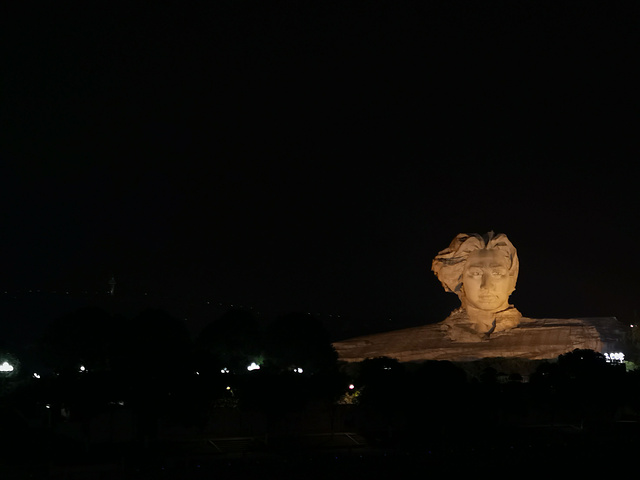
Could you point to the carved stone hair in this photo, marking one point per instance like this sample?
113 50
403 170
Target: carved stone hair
449 264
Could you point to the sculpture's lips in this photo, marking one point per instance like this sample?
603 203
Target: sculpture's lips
487 297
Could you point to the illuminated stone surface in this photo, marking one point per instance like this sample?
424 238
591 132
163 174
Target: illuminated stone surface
534 339
482 270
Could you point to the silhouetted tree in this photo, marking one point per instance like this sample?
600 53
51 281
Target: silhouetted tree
299 340
291 341
380 371
156 360
582 363
232 341
580 387
489 376
83 337
382 399
159 345
437 396
437 382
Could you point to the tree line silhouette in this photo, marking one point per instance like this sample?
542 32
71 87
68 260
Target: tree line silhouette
97 361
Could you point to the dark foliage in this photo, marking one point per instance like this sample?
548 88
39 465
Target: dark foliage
150 366
299 341
83 337
158 344
232 341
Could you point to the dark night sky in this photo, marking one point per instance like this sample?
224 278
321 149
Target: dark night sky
316 158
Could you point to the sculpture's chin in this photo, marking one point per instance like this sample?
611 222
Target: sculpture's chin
470 324
488 307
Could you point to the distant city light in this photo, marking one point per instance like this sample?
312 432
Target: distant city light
35 375
253 366
224 370
82 368
298 370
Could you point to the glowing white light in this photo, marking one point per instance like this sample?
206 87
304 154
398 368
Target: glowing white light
82 369
6 367
253 366
614 357
298 370
224 370
47 406
352 386
35 375
228 388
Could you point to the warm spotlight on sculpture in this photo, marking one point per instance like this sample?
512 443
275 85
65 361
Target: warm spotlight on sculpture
482 271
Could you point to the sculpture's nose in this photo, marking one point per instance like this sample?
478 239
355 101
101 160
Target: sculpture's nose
484 282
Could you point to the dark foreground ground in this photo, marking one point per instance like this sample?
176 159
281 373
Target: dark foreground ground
510 451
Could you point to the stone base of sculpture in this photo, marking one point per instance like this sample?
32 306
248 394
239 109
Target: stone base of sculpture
533 339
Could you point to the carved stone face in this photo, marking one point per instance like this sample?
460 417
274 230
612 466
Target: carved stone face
486 281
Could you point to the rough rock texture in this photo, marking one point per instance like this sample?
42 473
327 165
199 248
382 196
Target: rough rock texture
534 339
482 270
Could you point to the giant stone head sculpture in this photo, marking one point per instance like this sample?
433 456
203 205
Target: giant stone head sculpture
482 270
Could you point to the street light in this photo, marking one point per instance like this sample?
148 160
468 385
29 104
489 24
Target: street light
253 366
6 367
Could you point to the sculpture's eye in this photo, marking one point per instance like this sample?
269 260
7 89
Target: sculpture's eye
498 273
476 272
